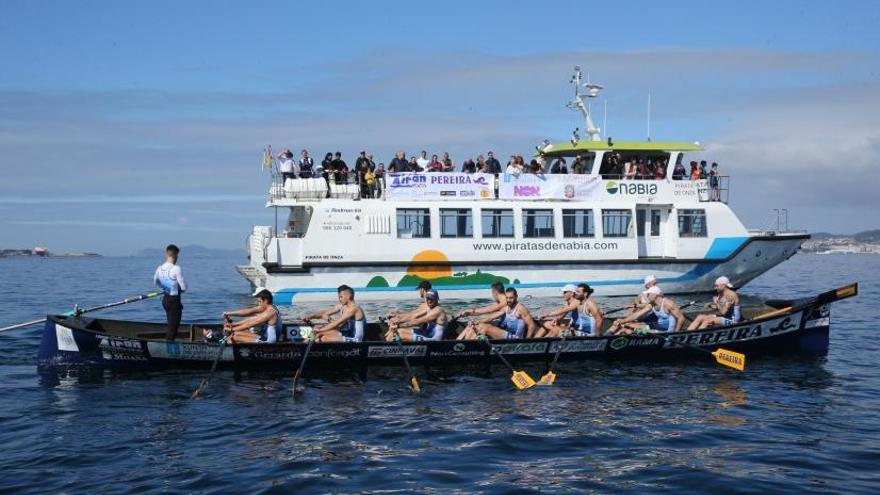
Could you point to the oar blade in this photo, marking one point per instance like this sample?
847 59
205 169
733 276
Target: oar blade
547 379
414 384
730 359
522 380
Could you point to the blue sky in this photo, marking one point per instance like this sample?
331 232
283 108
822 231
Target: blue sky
127 125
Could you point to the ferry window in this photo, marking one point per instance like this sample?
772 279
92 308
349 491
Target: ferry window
578 223
692 223
538 223
456 223
497 223
655 223
413 223
615 223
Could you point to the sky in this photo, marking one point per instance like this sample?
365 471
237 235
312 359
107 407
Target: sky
127 125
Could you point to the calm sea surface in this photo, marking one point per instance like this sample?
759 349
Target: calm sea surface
784 426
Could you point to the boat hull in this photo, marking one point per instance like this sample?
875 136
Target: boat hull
69 341
616 278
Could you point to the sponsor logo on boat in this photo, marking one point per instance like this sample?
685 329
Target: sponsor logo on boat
737 333
182 350
621 342
526 191
395 351
521 348
447 193
281 352
408 180
630 188
459 349
596 345
457 179
115 349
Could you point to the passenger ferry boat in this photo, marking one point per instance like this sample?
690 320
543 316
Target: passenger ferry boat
464 232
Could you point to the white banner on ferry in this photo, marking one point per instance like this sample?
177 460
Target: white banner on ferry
550 186
439 186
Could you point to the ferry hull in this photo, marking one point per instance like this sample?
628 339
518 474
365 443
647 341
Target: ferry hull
537 278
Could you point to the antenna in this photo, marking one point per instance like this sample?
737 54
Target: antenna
578 102
649 116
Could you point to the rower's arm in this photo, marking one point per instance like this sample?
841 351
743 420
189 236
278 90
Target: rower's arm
527 317
243 312
723 306
491 317
492 308
253 321
425 318
561 311
598 317
679 317
635 316
323 315
343 318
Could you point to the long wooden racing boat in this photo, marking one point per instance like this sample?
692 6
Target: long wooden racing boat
792 327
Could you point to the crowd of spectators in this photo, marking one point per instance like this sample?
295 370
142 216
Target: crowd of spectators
367 173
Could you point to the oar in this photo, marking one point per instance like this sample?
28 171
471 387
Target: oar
413 381
617 310
77 312
302 364
204 383
521 379
550 376
723 357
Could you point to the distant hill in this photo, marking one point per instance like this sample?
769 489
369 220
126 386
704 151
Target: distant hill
193 251
868 236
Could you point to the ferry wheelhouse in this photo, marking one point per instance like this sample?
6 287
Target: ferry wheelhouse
536 232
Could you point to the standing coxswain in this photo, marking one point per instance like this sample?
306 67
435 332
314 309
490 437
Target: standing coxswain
170 277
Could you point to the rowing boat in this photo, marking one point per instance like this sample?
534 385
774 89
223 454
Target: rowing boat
799 326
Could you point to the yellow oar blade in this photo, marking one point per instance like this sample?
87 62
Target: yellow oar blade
547 379
730 359
522 380
414 383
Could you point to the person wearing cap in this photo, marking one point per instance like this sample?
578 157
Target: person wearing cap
428 326
516 321
287 165
169 276
641 300
551 325
395 316
262 324
726 304
667 315
348 327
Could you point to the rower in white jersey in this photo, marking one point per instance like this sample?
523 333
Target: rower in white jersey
170 277
263 325
667 316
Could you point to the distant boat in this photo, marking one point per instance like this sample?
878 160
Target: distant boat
41 251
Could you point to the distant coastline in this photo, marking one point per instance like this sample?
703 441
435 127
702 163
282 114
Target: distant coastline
867 242
9 253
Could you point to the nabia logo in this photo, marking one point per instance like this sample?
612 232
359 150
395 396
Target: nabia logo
630 188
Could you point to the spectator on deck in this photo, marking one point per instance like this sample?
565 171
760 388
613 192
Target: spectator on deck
435 165
287 165
695 172
340 169
414 165
481 164
493 163
578 166
514 168
448 166
660 170
362 163
398 163
535 167
714 183
559 166
643 170
629 170
469 167
542 161
703 173
422 160
306 164
326 165
679 173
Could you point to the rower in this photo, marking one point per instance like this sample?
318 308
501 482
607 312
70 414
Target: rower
265 316
590 317
427 326
516 321
667 315
423 287
641 300
499 304
349 327
725 302
552 320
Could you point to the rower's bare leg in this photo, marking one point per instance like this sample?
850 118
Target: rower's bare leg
406 334
331 336
492 331
698 321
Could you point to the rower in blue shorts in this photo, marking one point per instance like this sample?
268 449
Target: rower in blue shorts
348 327
590 317
516 322
427 326
667 316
